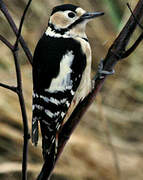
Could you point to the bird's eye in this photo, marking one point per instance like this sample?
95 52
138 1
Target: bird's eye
71 15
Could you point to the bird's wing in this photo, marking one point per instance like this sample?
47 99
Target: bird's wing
58 65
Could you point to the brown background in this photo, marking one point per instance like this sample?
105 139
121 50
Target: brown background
108 143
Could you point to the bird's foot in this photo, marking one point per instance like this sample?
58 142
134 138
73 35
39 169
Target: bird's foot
102 73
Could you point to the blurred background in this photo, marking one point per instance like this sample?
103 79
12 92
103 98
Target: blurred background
108 142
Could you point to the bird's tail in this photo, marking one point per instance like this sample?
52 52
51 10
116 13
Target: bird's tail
49 158
50 149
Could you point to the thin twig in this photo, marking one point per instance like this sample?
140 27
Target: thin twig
134 16
6 42
21 23
20 95
12 24
133 47
24 115
139 39
12 88
113 56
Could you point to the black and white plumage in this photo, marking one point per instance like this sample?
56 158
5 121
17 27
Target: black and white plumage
61 72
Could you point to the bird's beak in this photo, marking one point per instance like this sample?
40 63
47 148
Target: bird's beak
89 15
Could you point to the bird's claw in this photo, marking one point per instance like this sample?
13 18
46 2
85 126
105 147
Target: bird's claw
102 73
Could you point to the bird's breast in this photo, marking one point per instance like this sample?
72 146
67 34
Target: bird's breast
85 47
85 84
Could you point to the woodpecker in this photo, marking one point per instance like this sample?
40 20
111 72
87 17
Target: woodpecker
61 72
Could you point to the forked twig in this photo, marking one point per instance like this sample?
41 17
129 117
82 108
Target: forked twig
12 24
21 23
18 88
139 39
12 88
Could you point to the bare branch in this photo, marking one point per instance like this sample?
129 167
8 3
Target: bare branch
18 89
20 95
6 13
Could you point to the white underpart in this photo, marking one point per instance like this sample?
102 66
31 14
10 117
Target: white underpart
63 81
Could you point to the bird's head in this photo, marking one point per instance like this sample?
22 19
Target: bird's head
68 17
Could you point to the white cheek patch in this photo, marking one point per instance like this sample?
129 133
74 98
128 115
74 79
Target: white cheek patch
61 20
